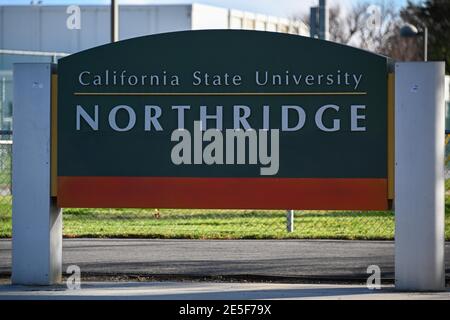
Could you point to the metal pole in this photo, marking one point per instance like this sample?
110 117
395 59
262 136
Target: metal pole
33 53
290 220
323 20
114 20
425 44
3 101
313 22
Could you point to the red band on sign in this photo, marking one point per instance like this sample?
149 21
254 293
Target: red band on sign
222 193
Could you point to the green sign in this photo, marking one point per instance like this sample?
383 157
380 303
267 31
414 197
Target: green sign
226 119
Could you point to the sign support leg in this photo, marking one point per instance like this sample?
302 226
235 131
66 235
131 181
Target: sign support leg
37 222
419 176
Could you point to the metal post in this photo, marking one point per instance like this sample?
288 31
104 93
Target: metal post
419 176
290 220
114 21
425 43
36 221
2 102
313 22
323 20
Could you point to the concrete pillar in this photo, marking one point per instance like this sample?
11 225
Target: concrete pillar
36 222
419 176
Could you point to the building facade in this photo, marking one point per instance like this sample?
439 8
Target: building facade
43 28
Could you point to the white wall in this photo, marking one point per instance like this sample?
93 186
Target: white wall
43 28
251 21
209 17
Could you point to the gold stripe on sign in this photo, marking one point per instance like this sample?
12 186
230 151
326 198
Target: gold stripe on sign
352 93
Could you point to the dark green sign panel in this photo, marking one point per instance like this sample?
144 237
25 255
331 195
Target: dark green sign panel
284 109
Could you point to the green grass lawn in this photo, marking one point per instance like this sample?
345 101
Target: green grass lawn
220 224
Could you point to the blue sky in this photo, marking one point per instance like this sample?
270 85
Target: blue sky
273 7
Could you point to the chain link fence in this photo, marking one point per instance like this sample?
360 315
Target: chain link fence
208 224
5 184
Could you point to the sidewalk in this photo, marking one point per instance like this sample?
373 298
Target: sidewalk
211 291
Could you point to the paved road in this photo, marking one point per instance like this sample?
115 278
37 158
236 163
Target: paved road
230 258
211 291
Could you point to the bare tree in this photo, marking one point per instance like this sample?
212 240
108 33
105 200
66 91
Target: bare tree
367 26
402 49
381 24
344 27
373 27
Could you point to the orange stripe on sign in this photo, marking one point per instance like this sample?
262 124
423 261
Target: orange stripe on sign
222 193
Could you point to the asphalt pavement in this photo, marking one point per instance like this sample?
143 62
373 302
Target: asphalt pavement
290 260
